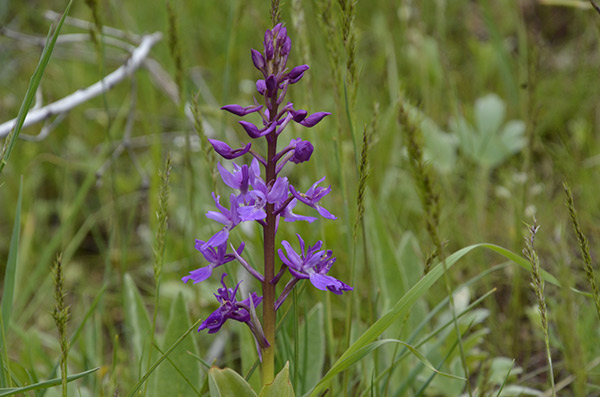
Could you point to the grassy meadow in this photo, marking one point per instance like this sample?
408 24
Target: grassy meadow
454 127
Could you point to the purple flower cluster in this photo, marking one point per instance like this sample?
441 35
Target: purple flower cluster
266 200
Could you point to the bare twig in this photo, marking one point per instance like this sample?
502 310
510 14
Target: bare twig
78 97
64 39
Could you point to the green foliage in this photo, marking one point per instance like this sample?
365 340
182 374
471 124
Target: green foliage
489 142
181 377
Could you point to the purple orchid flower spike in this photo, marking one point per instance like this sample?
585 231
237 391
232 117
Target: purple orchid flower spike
313 196
230 308
266 201
226 151
312 264
229 218
215 257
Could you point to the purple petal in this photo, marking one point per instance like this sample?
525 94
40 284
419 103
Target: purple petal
324 213
313 119
298 115
226 151
218 239
294 258
300 197
261 86
199 275
251 213
228 178
268 43
214 322
302 152
257 59
254 171
278 191
240 110
328 283
251 129
217 216
287 46
207 252
296 73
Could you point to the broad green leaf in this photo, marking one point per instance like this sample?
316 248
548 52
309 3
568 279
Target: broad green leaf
281 386
185 380
311 358
489 114
137 321
226 382
34 83
406 302
163 357
45 384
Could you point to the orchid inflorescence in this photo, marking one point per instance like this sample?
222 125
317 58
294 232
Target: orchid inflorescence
267 200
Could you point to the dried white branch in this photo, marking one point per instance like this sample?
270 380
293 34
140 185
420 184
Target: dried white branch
78 97
63 39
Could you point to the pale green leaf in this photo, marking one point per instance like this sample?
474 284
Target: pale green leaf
489 114
281 386
226 382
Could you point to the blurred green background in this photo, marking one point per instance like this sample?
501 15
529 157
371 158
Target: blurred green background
506 94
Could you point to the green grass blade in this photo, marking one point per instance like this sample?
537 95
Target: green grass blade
9 283
34 83
406 302
11 264
362 352
45 384
505 379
